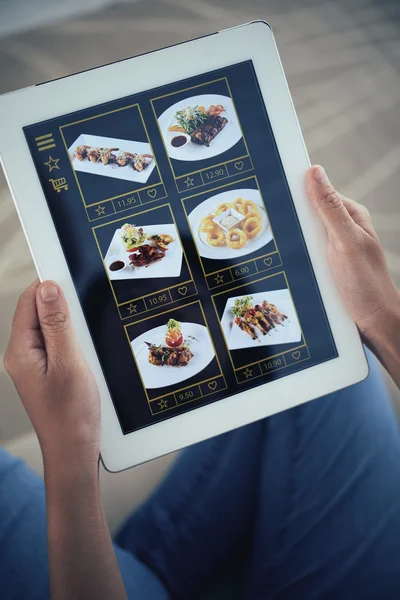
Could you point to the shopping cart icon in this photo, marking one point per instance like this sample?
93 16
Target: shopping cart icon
59 184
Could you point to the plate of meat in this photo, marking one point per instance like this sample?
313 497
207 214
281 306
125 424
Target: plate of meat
262 319
151 251
200 127
164 358
111 157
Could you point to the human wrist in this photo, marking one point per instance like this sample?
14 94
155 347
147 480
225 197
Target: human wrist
384 334
70 464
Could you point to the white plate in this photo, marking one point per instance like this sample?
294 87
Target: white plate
127 173
228 137
287 333
223 252
169 266
158 377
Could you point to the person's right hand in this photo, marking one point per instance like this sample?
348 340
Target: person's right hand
355 256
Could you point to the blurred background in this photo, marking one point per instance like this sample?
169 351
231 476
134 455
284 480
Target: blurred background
342 61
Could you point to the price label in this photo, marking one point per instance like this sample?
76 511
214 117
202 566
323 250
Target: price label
157 300
125 203
188 394
214 174
244 270
185 396
274 364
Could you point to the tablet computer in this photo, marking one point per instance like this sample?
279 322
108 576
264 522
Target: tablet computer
165 193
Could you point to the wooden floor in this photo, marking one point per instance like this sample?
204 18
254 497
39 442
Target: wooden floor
342 60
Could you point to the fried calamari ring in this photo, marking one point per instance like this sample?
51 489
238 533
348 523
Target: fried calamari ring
216 237
247 207
207 224
251 227
223 207
237 204
254 215
236 239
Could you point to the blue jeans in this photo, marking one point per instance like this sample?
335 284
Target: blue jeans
305 504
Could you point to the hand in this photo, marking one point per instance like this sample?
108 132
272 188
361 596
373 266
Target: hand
355 256
52 378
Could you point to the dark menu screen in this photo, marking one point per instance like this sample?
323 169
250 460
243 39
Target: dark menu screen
183 243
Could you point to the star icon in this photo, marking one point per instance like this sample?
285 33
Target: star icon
132 308
248 372
188 181
219 279
101 210
52 163
163 404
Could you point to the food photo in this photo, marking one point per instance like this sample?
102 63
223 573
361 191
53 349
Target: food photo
200 127
261 319
173 351
110 157
230 224
148 251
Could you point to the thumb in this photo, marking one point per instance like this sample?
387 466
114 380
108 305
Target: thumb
328 203
55 322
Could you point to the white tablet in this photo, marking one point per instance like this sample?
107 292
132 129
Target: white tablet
165 193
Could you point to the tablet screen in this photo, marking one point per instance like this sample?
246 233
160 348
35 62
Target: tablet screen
181 237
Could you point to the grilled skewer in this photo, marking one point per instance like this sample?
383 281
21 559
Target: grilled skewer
106 155
94 154
246 327
252 319
81 152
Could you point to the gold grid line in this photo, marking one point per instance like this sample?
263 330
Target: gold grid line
270 358
221 373
61 127
148 187
223 334
158 291
153 100
183 200
222 164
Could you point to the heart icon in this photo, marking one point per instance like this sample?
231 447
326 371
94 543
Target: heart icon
183 290
152 193
239 165
296 355
268 261
212 385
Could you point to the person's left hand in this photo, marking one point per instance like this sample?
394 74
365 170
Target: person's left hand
52 377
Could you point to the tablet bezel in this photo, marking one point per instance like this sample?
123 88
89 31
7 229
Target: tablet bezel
254 41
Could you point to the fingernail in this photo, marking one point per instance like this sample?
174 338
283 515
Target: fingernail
320 174
49 293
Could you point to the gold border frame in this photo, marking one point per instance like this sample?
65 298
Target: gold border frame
161 182
221 373
180 284
257 362
232 183
153 100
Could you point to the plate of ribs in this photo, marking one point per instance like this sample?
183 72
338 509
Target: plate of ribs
144 252
165 360
111 157
261 319
200 127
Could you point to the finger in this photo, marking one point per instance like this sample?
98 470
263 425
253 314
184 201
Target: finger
26 317
328 203
55 323
360 215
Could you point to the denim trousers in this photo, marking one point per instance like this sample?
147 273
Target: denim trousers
302 505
